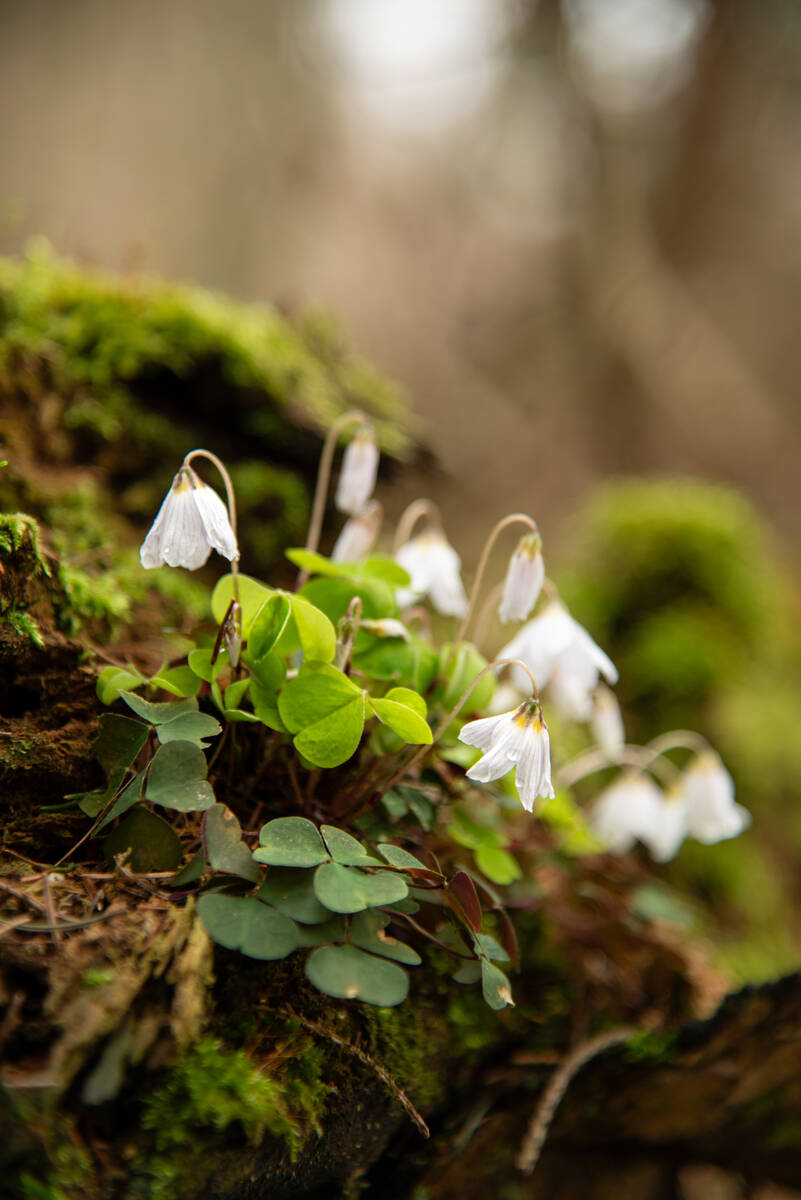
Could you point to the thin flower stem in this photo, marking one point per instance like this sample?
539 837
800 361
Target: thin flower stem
409 518
679 739
512 519
323 479
485 615
628 756
446 720
230 497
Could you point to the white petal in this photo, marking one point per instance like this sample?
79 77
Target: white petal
358 474
539 643
522 586
667 828
607 722
533 774
214 515
708 789
625 811
483 732
434 568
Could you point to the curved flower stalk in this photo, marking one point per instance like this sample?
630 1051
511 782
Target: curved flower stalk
513 739
191 522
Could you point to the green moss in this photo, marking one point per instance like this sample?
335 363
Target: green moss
652 1047
96 333
207 1093
410 1045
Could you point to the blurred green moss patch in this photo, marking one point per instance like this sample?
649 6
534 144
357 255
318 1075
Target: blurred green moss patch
106 382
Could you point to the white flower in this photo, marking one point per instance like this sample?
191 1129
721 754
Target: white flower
434 567
607 723
358 534
561 652
358 473
191 523
518 738
668 826
524 579
625 811
708 791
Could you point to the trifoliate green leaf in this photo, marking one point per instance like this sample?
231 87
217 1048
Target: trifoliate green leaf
367 932
316 634
291 891
403 719
130 795
345 849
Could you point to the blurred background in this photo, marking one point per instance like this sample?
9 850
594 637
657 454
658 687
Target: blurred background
572 231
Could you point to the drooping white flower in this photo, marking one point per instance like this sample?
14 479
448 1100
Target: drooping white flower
358 534
559 651
385 627
524 579
708 791
626 811
435 571
191 522
667 828
607 722
358 473
513 739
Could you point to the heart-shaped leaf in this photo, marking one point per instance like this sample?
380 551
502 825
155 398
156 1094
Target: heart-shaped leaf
252 596
351 974
178 681
495 986
400 858
130 795
345 849
177 778
153 844
268 625
316 634
157 714
349 889
290 842
244 923
403 720
189 727
497 864
325 710
367 932
292 892
119 740
201 665
222 841
113 680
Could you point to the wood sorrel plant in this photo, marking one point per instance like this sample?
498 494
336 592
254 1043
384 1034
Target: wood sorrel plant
339 718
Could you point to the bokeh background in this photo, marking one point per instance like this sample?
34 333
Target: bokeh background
570 230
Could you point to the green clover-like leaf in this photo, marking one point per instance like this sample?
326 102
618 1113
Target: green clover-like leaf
352 974
290 842
367 932
177 778
349 889
119 740
222 841
189 727
246 924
